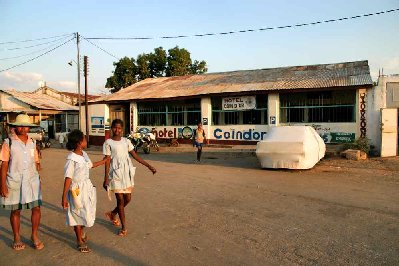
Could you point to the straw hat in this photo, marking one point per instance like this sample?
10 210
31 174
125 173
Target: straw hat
22 120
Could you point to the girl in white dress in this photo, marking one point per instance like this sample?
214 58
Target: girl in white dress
79 195
20 187
119 172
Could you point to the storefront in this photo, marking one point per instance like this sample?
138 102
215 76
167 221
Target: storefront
239 107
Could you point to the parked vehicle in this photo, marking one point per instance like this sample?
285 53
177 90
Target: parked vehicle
40 136
140 140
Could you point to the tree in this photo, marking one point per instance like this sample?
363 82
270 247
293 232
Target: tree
143 69
179 62
176 62
123 76
157 62
198 68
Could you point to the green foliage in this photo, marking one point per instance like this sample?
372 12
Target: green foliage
359 144
176 62
124 74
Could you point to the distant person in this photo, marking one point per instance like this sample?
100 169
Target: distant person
79 195
199 139
61 139
119 173
20 186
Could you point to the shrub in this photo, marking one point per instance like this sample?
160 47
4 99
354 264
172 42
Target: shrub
359 144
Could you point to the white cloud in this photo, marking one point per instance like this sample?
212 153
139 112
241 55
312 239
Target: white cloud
388 65
20 80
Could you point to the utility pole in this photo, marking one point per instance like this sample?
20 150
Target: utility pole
78 64
86 70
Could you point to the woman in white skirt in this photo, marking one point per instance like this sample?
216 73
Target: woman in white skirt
79 195
20 182
119 172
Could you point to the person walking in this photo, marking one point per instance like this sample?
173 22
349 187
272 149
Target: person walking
119 173
199 139
79 195
20 187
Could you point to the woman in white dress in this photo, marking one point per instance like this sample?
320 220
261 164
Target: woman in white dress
119 172
20 182
79 195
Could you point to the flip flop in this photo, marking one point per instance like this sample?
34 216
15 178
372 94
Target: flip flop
18 246
114 220
122 232
83 248
38 245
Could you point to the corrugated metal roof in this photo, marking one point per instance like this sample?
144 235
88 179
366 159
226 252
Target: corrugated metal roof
41 101
283 78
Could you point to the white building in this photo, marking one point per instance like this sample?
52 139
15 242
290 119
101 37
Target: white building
239 107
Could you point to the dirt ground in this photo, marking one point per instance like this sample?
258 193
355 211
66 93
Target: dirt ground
226 211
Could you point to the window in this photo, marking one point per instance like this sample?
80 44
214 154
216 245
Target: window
73 121
255 116
60 123
318 107
175 113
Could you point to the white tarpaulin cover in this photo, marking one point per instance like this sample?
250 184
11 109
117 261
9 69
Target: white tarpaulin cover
292 147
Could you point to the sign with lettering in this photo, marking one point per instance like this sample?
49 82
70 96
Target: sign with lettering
239 103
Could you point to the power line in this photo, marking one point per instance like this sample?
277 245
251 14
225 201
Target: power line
248 30
23 55
23 63
100 48
39 44
32 40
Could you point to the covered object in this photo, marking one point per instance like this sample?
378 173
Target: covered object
292 147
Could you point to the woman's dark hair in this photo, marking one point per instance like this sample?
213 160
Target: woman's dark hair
74 137
116 122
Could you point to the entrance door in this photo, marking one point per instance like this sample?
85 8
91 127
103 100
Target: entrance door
120 112
389 132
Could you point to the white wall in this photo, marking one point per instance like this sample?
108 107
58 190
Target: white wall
377 99
96 113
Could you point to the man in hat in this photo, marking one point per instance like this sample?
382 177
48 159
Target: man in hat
20 181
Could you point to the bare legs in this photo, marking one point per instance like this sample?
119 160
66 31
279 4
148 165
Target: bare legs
15 220
35 219
122 200
199 152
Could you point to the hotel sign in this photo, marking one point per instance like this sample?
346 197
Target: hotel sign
239 103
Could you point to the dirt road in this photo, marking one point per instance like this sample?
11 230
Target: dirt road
226 211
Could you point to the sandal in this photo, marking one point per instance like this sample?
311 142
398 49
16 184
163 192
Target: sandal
38 245
122 232
83 248
18 246
112 218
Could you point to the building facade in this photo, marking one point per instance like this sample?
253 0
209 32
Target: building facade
239 107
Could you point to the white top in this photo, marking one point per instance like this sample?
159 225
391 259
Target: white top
78 167
82 209
121 172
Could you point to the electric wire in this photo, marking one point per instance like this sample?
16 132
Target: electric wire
34 58
105 51
32 40
35 45
34 52
248 30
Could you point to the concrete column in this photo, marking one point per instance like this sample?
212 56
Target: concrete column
206 116
273 109
134 117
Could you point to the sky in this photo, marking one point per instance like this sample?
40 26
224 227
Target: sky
373 38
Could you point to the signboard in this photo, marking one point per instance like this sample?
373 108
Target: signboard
97 122
272 120
205 121
239 103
